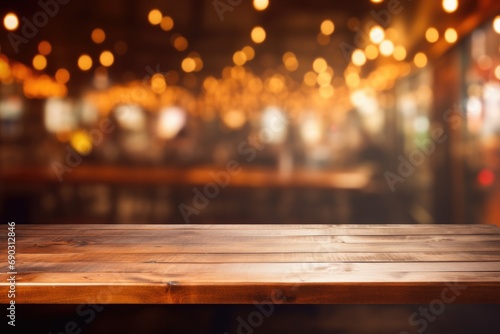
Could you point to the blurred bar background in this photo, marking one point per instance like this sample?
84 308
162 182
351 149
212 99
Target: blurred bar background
250 111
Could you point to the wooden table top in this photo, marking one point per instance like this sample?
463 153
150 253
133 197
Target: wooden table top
254 263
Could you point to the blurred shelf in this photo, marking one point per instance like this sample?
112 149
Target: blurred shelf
246 177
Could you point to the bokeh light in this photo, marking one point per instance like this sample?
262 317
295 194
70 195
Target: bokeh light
420 59
39 62
155 17
258 35
84 62
98 35
260 4
327 27
10 21
106 58
450 35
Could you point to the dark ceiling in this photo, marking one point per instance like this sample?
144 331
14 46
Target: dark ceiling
290 25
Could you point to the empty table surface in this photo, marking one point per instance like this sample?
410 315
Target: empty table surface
254 264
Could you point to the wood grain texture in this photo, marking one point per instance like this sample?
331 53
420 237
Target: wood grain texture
255 263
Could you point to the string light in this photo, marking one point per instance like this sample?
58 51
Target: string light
327 27
98 36
377 34
431 35
420 59
106 58
180 43
386 48
39 62
44 48
450 35
496 24
188 65
155 17
10 21
62 76
239 58
450 6
290 61
167 23
399 53
260 5
319 65
371 52
358 57
249 52
84 62
258 35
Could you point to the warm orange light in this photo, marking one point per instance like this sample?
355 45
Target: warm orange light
327 27
180 43
258 35
155 17
310 78
325 92
81 142
290 61
106 58
98 35
188 65
377 34
62 75
260 4
85 62
399 53
158 83
431 35
371 52
450 6
324 79
249 52
239 58
386 48
450 35
420 59
276 84
198 61
358 57
496 24
44 48
319 65
352 80
39 62
167 23
10 21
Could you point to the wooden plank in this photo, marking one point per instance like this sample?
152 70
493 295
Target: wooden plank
265 293
228 247
243 278
241 264
91 231
258 268
262 258
221 239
